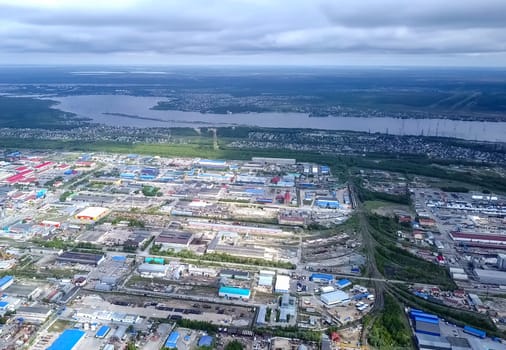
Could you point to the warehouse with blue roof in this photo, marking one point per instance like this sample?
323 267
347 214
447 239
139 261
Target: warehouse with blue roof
476 332
321 278
343 283
171 341
206 340
102 331
6 281
425 323
360 296
68 340
418 313
427 326
234 293
327 203
119 258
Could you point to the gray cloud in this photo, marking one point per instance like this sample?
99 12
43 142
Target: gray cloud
248 31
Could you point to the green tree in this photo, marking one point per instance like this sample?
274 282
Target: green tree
234 345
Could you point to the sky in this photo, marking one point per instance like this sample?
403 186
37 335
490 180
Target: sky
254 32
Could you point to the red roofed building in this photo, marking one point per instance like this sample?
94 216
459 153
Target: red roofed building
14 178
21 168
335 337
404 219
459 293
43 166
426 222
478 237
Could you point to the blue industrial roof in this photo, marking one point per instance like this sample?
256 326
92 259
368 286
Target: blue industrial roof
422 295
206 340
417 313
172 340
149 259
119 258
343 282
426 320
3 304
235 290
264 200
476 332
67 340
322 276
5 279
254 191
102 331
359 296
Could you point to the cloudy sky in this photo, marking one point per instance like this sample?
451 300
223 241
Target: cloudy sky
321 32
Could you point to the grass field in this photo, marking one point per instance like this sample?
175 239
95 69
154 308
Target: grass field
59 326
385 208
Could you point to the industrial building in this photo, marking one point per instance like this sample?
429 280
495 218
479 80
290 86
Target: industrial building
154 270
194 270
102 332
475 332
235 274
33 314
5 282
266 278
425 341
335 298
288 308
236 250
327 289
277 161
92 213
501 262
491 276
234 293
206 340
250 230
425 323
68 340
327 203
321 278
171 341
471 238
213 163
343 283
25 290
175 240
81 258
282 284
262 313
120 332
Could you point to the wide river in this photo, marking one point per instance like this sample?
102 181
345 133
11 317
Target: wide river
94 107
